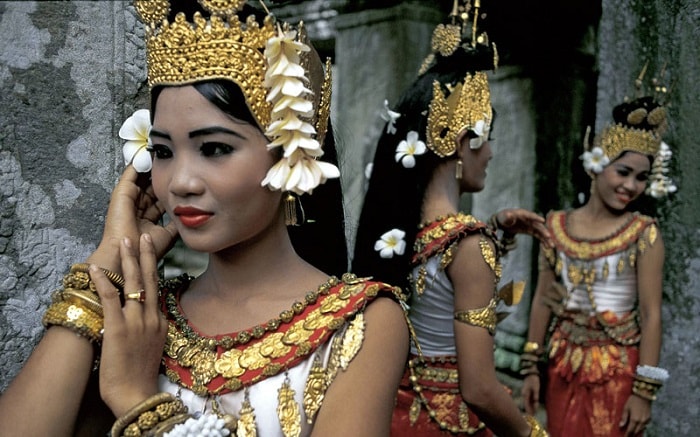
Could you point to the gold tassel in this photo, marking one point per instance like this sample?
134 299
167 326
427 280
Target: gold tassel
315 390
290 210
246 420
458 169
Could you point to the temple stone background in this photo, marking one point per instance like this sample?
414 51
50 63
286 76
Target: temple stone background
72 71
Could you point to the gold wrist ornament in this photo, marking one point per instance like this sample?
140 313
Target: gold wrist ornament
532 353
150 415
79 278
76 317
648 380
536 429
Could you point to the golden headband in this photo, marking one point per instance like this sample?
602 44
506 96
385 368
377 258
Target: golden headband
271 63
468 104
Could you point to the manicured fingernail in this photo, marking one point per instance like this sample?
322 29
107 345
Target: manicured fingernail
93 268
127 242
147 237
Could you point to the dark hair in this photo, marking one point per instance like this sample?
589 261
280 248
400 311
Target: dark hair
321 240
395 194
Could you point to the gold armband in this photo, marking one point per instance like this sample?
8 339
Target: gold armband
482 317
151 414
490 258
77 317
536 429
82 298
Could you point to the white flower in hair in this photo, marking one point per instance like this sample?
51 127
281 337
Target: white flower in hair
595 160
135 130
408 148
368 170
390 117
390 243
298 170
481 129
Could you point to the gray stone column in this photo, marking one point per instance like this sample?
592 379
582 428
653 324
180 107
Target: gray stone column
64 69
378 53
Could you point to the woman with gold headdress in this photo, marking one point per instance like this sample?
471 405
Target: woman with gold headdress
254 345
598 295
436 147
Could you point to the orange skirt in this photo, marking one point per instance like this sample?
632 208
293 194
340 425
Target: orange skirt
589 378
438 410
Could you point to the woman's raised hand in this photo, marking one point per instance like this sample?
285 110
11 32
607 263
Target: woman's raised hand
133 210
521 221
135 332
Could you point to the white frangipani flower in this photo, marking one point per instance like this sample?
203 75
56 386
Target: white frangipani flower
390 243
135 130
368 170
390 117
595 160
481 129
408 148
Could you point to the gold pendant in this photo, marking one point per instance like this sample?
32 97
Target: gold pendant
315 390
246 421
352 340
288 411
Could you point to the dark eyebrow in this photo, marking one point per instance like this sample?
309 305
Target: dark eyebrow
200 132
155 133
214 130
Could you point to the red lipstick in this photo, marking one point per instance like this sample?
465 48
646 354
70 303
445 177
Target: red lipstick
191 217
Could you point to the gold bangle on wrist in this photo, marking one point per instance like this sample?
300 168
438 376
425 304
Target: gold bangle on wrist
76 317
149 415
116 279
532 347
536 429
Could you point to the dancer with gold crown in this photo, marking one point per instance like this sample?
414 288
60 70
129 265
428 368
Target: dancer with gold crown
267 341
436 147
598 296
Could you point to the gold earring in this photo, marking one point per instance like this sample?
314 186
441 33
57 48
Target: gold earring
290 210
458 169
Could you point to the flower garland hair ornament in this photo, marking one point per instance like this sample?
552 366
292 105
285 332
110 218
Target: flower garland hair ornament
136 131
390 117
660 184
390 243
408 149
298 170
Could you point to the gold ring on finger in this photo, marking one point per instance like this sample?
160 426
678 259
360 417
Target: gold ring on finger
138 295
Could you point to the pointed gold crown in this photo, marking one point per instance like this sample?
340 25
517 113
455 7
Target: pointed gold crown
467 104
220 47
272 64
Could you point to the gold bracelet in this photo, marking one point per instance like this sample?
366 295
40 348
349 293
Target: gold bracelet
536 430
148 414
532 347
645 390
82 297
116 279
76 317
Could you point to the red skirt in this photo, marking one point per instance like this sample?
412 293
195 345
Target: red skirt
438 410
590 377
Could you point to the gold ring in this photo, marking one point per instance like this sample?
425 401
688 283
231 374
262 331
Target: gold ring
138 295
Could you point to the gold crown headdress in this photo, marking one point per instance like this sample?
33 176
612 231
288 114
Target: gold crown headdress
468 103
638 126
270 62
